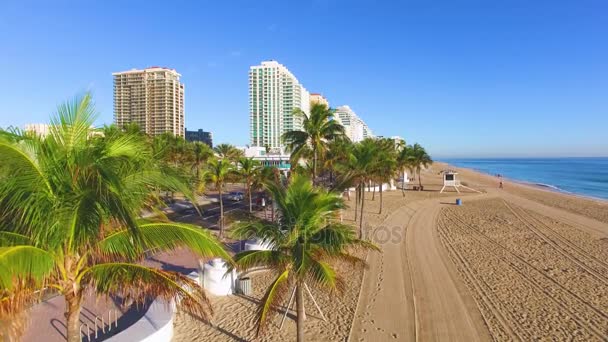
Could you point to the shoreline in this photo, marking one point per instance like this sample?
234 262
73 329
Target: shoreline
528 184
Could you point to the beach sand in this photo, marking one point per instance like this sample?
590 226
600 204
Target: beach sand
513 263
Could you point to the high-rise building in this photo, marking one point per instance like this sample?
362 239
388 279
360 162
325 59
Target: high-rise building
318 98
153 98
200 135
274 92
355 129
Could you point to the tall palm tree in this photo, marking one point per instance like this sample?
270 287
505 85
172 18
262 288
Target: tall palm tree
69 219
305 242
384 164
404 162
225 150
337 152
359 169
318 129
200 154
420 159
219 171
249 169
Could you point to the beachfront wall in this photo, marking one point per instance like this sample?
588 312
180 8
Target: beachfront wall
155 326
385 187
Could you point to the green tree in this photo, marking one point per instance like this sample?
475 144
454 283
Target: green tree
69 219
318 129
385 165
358 169
404 162
305 242
224 150
249 169
337 152
219 171
200 154
419 159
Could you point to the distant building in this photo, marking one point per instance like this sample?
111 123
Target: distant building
200 135
318 98
269 157
39 129
274 92
356 130
42 130
153 98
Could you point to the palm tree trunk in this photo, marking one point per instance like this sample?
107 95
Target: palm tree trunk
221 213
357 190
361 217
420 179
314 166
403 183
374 192
380 199
73 306
300 312
249 191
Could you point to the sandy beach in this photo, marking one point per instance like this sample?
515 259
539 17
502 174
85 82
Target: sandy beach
518 263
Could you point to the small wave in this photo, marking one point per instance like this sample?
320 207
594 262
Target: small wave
553 187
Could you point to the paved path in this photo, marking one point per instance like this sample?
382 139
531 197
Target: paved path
412 290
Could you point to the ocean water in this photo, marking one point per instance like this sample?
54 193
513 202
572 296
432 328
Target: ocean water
581 176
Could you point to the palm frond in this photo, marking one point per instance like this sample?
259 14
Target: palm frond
323 275
162 236
13 239
23 262
273 259
141 283
275 294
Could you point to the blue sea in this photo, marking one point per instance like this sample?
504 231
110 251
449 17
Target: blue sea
581 176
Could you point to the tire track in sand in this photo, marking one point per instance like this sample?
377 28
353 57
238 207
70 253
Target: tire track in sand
445 309
412 290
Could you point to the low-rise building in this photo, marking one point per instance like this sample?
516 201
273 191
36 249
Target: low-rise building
200 135
269 157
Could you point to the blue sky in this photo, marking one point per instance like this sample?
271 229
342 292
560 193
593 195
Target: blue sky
464 78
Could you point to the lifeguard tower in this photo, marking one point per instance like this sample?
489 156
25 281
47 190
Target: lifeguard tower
450 179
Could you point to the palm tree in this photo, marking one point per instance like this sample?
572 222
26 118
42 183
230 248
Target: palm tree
249 168
305 242
384 164
318 129
69 219
219 170
200 154
403 162
420 159
359 169
226 151
337 152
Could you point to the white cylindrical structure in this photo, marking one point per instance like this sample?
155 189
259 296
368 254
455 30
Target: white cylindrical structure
257 245
215 279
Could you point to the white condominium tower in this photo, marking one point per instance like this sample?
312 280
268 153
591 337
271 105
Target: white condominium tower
274 92
356 130
153 98
318 98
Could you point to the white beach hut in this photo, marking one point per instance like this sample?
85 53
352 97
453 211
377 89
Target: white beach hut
450 178
215 280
